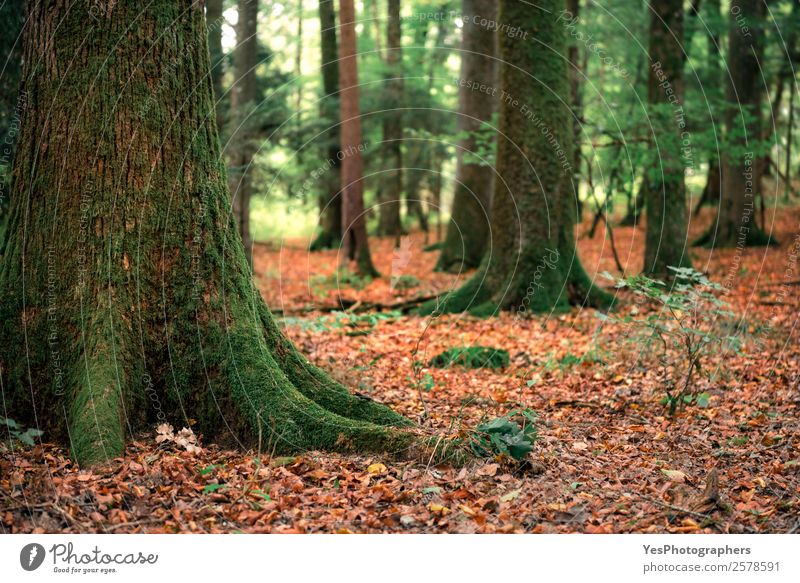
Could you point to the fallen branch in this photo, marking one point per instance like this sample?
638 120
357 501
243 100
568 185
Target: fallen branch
357 307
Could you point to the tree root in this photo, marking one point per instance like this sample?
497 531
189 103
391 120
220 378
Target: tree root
97 409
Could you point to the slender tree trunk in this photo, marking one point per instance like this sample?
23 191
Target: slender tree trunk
122 268
713 187
666 237
392 179
214 19
354 225
787 172
735 224
532 263
330 202
243 104
468 230
422 154
576 72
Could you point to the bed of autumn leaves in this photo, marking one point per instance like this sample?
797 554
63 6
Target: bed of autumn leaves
608 459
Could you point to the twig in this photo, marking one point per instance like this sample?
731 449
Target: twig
358 307
677 508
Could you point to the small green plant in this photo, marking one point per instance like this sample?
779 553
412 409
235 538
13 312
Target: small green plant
404 282
505 437
472 357
16 433
683 328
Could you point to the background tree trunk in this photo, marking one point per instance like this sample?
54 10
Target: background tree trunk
243 105
741 174
214 20
468 230
121 265
532 264
392 179
354 226
666 236
330 202
576 73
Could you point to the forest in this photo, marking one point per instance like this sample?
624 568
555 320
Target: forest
372 266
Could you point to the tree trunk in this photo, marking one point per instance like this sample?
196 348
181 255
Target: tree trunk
666 236
391 190
576 74
468 230
243 104
354 225
122 268
735 223
330 203
214 19
532 262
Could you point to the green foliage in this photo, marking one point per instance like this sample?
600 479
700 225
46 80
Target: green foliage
404 282
683 329
505 437
472 357
16 433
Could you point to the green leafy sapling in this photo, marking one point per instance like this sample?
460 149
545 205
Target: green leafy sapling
683 329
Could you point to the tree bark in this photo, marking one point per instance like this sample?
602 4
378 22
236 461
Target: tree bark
122 268
468 229
354 226
735 224
532 263
391 190
330 202
666 235
243 104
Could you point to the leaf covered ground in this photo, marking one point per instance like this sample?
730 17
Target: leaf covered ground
609 457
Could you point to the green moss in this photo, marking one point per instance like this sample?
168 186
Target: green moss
472 357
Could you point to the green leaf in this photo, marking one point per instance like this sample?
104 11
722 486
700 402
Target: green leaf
10 423
209 488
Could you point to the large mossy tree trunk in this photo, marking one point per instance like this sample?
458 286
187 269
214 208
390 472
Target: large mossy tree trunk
735 225
125 293
666 235
330 202
389 224
354 225
468 229
243 105
532 263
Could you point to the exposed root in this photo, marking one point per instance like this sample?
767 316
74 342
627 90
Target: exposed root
97 408
318 386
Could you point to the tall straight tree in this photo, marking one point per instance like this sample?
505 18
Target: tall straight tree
666 236
392 179
735 225
713 186
330 202
122 267
468 230
243 104
354 226
533 263
214 9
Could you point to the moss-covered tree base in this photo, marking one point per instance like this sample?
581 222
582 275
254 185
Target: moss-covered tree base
121 266
732 238
325 241
542 283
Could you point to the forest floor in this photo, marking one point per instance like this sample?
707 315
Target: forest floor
608 459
